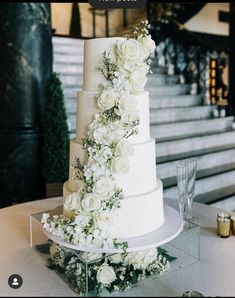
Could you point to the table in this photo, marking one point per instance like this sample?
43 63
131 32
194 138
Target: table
213 275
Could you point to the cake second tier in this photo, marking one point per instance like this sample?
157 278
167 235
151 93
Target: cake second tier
141 177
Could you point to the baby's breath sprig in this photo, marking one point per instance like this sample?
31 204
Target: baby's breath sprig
108 67
142 29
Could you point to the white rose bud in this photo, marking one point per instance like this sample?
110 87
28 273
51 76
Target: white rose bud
106 274
102 219
124 148
103 186
116 258
138 80
120 165
91 202
106 100
72 202
128 49
147 45
127 104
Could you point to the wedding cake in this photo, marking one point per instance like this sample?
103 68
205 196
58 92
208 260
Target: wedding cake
112 192
141 209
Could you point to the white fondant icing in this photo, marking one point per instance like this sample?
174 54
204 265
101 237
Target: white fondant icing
139 215
87 108
141 209
141 176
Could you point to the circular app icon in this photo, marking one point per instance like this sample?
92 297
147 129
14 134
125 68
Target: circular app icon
15 281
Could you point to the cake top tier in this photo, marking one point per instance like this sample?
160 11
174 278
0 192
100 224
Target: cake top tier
93 53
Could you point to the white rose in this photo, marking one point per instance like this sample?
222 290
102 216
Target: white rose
91 256
138 80
103 219
127 104
142 259
120 165
100 134
91 202
106 100
150 256
81 221
147 45
72 202
103 186
116 258
128 49
124 148
106 274
135 259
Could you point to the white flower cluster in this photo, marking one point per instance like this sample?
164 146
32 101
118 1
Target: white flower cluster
133 61
114 272
94 204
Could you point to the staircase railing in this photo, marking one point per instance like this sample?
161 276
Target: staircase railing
190 54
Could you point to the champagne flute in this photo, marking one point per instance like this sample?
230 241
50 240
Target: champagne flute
182 184
192 168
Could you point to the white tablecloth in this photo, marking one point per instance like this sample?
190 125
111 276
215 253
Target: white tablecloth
214 275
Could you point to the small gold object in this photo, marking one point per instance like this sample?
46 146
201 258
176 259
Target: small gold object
233 224
223 225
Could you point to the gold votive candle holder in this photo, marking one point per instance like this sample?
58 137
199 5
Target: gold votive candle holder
223 225
233 224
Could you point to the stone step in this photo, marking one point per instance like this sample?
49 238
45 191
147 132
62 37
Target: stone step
165 90
67 41
210 189
71 80
68 69
177 130
156 79
159 116
71 105
62 58
68 49
72 118
187 100
71 92
157 68
208 164
184 148
171 131
226 204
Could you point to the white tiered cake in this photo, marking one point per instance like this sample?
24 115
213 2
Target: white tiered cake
141 210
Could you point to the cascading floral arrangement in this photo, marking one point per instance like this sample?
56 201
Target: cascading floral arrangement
98 198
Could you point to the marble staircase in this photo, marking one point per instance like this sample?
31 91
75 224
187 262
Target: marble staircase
182 126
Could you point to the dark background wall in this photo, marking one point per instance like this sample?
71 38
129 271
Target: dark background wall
25 64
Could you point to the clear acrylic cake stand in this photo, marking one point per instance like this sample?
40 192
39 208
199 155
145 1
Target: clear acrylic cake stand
180 238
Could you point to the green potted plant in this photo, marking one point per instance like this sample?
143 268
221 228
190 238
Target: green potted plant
55 135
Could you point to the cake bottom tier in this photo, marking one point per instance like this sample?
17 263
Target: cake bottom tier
138 215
